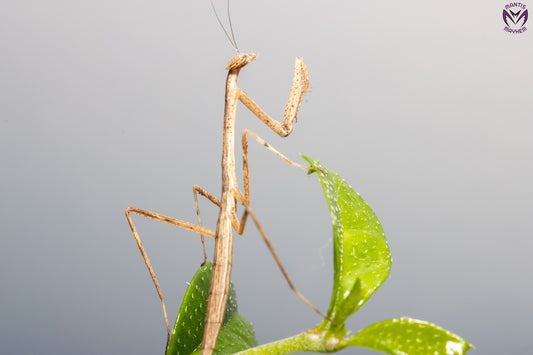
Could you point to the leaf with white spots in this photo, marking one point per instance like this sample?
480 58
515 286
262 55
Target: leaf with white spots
362 259
236 333
409 336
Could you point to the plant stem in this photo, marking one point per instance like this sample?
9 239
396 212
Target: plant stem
307 341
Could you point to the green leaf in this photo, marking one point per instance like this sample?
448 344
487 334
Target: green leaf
409 336
362 259
236 334
362 262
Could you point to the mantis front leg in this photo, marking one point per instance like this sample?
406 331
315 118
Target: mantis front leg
300 85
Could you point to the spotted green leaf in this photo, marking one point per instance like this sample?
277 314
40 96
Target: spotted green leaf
236 334
409 336
362 262
362 259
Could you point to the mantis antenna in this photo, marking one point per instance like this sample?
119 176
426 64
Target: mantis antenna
232 37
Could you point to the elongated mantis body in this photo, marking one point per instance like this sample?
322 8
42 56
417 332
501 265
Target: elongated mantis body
227 218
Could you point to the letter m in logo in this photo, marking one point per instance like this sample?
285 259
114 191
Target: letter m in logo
515 17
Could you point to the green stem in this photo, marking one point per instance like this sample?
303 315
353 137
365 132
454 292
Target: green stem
307 341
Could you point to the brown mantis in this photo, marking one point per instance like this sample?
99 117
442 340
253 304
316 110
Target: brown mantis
231 194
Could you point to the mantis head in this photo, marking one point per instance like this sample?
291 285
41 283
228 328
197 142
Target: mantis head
240 60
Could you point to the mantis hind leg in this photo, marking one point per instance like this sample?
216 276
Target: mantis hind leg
176 222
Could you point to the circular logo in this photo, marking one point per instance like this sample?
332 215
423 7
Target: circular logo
515 17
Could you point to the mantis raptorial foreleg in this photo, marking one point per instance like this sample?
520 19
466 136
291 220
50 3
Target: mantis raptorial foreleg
300 85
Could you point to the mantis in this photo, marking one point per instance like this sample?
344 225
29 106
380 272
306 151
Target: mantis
231 194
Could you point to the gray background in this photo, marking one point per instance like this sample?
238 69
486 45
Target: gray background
424 107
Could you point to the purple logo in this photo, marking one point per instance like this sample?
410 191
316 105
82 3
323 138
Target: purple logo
515 17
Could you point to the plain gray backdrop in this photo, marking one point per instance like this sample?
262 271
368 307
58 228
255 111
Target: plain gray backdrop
425 108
